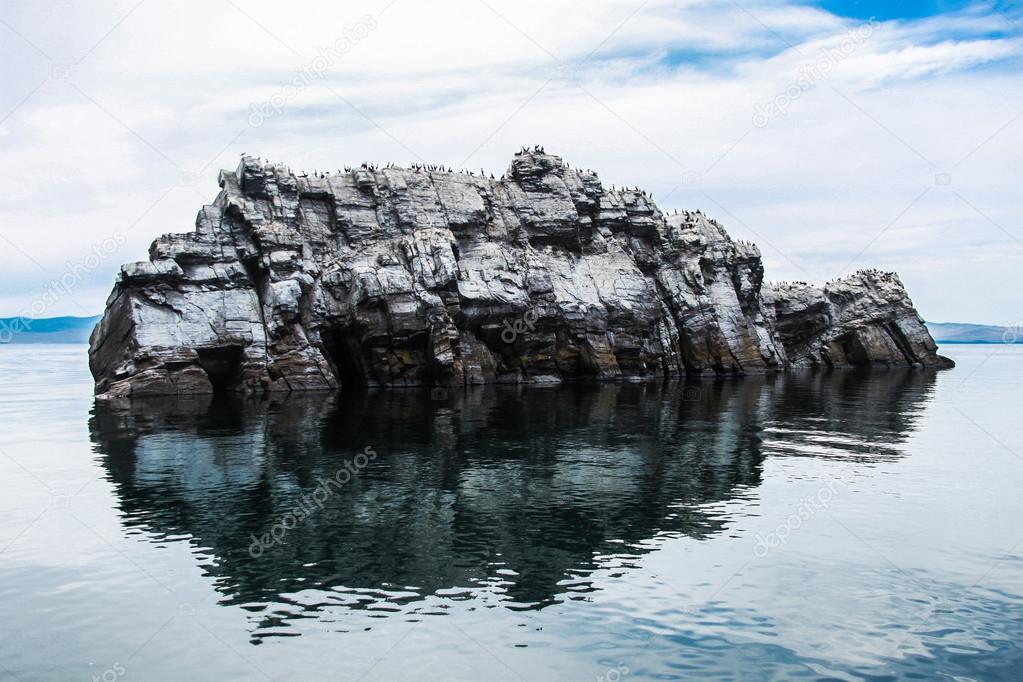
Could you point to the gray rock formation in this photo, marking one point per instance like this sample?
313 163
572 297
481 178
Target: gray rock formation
865 319
422 276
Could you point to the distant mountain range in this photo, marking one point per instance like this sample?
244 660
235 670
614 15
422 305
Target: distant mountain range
77 330
47 330
958 332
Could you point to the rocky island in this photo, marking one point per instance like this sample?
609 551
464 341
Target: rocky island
423 276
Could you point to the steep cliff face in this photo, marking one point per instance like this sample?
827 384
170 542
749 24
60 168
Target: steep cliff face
866 319
396 277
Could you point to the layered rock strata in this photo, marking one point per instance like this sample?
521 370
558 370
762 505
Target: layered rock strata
422 276
866 319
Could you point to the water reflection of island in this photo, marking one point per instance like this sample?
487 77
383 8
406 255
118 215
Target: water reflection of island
511 490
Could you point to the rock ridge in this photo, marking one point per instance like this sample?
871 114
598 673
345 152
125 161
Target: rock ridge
422 276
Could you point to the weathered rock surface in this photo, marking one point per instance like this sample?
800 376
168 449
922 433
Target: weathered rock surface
866 319
397 277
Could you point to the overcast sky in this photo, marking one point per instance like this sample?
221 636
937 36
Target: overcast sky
833 140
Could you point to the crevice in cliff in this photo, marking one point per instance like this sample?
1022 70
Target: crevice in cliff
222 367
683 346
855 353
901 342
260 280
344 355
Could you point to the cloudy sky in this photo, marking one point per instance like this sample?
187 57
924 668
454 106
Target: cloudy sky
835 134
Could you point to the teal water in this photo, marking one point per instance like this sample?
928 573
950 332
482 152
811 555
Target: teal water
804 527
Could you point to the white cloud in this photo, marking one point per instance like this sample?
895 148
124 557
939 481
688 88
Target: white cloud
668 90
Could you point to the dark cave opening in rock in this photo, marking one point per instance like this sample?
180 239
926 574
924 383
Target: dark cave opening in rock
856 354
344 354
222 367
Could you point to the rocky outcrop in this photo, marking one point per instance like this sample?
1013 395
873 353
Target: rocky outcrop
863 320
423 276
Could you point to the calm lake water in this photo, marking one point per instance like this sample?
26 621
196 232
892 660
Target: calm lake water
842 527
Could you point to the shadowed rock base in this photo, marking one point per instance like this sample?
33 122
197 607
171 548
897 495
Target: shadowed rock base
422 276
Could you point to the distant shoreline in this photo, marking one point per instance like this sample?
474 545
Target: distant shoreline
947 342
66 329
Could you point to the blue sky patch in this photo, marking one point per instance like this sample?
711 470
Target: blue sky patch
884 10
